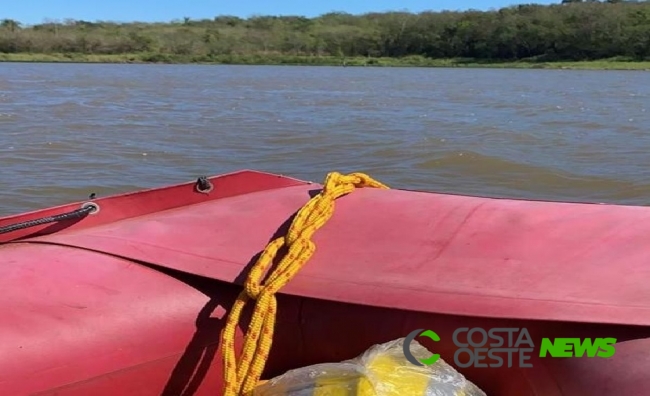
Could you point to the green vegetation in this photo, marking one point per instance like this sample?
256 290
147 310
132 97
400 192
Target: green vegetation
575 34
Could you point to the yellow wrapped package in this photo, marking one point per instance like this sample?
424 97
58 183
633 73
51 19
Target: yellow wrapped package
381 371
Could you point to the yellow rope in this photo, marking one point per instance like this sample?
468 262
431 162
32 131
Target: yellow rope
240 379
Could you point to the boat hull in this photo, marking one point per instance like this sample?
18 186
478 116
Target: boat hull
131 301
96 324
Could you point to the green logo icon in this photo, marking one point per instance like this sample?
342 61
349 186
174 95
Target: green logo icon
407 347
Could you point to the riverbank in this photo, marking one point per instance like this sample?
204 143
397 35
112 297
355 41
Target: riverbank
263 59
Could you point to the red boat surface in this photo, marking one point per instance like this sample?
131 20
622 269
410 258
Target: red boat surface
131 299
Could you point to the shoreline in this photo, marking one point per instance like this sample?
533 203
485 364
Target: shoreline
298 60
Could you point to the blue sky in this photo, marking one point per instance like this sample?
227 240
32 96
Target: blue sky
35 11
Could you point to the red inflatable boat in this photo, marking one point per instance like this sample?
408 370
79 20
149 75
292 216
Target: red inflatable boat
127 295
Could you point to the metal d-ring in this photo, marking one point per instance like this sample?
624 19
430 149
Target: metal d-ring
203 185
93 205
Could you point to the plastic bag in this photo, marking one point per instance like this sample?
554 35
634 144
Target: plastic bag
381 371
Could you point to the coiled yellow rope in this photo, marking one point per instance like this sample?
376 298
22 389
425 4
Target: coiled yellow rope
240 379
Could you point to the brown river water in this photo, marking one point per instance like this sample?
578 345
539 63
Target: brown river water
67 130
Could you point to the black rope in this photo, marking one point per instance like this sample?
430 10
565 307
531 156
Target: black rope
83 212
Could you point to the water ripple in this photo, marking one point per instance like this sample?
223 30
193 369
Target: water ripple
69 130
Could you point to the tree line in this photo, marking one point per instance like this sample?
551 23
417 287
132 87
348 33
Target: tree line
570 30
